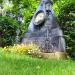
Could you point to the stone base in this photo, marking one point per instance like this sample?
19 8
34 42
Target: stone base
56 55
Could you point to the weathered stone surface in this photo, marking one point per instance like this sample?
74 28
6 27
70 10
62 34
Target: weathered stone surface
47 34
55 55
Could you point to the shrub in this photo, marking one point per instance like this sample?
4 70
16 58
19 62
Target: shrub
66 19
8 28
21 49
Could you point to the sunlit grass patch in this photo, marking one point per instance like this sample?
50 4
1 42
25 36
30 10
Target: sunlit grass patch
15 64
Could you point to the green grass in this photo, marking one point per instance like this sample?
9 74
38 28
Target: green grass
11 64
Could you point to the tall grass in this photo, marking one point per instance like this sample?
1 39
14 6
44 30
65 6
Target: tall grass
11 64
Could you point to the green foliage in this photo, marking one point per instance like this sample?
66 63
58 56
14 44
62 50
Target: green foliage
26 8
8 28
65 13
1 1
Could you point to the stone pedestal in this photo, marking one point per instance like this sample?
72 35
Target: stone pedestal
55 55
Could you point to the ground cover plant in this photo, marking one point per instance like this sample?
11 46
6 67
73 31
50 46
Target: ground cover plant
22 64
15 64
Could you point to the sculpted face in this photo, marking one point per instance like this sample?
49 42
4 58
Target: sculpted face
39 18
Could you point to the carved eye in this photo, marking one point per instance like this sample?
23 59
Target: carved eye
39 18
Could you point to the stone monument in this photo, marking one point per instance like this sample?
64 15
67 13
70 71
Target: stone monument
44 30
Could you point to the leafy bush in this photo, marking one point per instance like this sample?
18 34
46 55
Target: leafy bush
8 28
26 9
65 13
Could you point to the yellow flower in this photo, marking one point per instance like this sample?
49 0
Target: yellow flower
5 49
22 48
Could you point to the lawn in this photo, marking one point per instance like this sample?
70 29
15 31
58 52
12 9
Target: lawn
11 64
